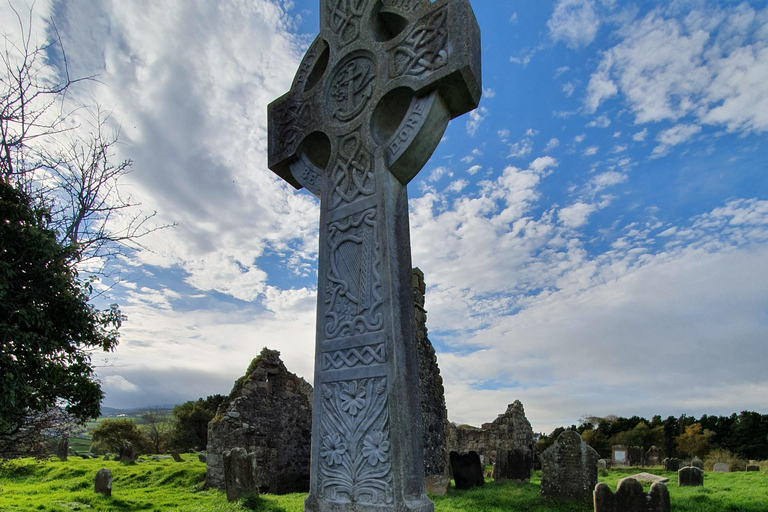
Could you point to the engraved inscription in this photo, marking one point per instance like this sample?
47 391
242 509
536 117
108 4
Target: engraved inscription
355 357
307 175
425 49
353 172
353 303
345 17
408 129
352 87
308 63
400 5
355 452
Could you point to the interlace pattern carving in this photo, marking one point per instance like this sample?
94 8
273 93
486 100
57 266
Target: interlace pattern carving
425 49
345 17
352 358
353 173
353 300
352 87
292 121
355 460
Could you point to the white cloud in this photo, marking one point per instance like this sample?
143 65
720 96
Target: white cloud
568 89
438 173
592 150
704 65
574 22
476 117
552 144
576 215
474 169
489 93
640 136
600 122
674 136
119 383
457 186
608 179
524 146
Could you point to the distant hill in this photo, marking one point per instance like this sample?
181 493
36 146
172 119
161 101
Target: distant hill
111 412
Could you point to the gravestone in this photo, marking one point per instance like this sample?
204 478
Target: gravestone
240 469
672 464
369 104
690 477
697 463
630 497
722 467
176 457
568 468
202 458
62 448
106 458
653 456
127 453
636 456
512 464
648 478
102 484
467 470
620 455
753 467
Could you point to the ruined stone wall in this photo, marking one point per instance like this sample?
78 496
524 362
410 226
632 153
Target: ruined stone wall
269 413
434 415
510 430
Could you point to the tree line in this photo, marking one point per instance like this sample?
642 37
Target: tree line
744 435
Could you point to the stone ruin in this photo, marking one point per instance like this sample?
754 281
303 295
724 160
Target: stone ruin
434 415
269 415
511 431
569 468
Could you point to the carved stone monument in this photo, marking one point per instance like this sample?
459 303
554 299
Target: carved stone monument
568 468
367 108
630 497
102 483
690 476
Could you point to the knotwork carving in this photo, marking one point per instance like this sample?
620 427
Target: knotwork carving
353 300
353 173
355 453
292 121
355 357
425 49
345 17
351 87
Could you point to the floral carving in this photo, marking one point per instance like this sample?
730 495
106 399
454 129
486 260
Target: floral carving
356 443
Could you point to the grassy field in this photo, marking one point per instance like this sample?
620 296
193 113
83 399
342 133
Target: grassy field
168 486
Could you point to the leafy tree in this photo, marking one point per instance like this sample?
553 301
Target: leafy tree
47 326
695 441
156 427
190 426
110 435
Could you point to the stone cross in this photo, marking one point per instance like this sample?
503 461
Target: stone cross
368 106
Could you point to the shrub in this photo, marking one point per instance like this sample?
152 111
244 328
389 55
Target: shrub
109 436
735 463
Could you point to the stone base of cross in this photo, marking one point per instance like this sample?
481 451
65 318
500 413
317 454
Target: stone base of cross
369 105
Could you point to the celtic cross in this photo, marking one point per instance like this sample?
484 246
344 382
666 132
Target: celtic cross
367 108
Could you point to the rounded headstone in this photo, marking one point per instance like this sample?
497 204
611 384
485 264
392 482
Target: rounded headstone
103 482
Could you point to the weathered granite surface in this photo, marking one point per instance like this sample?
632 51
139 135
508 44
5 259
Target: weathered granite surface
467 470
269 414
569 468
509 431
102 483
514 464
241 474
367 108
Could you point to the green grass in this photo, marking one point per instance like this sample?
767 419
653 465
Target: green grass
168 486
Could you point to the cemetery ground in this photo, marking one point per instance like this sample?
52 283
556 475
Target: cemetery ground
166 486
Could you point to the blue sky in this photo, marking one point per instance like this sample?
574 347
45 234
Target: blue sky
593 237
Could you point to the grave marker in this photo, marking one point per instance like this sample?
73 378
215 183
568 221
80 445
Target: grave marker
367 108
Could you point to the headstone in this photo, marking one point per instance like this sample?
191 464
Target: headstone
239 474
127 453
648 478
722 467
269 413
697 463
653 457
367 108
176 457
568 468
630 497
636 456
106 458
672 464
438 484
690 477
103 482
753 467
62 448
620 456
512 464
202 458
467 470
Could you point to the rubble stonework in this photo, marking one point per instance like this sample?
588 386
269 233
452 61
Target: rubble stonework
434 415
268 414
510 431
